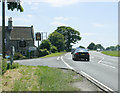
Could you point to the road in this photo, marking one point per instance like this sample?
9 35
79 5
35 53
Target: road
101 68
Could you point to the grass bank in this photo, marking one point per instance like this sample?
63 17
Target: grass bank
30 78
54 54
112 53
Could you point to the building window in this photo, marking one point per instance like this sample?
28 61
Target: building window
22 43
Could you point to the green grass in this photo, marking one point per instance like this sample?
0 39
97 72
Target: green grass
112 53
40 78
54 54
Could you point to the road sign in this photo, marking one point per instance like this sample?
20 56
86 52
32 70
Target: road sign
38 36
32 48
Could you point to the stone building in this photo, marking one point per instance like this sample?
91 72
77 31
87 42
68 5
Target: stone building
21 37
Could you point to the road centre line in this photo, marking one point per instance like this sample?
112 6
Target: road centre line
100 60
90 77
107 65
85 74
104 63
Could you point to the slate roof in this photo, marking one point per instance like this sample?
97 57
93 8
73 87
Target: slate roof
19 32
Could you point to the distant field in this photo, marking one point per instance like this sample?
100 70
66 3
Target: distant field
112 53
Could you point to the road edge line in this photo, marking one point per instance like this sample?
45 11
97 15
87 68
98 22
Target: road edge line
90 78
96 82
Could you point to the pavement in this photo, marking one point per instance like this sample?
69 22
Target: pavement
101 68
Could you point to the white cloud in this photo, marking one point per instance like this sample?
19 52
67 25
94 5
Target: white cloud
58 24
98 25
88 34
60 3
61 18
30 16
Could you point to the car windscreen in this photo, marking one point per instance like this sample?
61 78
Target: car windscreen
81 50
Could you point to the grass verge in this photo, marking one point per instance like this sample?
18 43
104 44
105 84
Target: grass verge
40 78
54 54
112 53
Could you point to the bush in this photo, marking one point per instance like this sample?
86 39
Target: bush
43 52
18 56
4 66
46 44
53 49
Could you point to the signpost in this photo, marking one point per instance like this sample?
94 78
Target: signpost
38 37
12 49
31 49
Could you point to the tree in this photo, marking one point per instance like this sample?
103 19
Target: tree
91 46
71 36
99 46
12 6
45 45
81 47
57 40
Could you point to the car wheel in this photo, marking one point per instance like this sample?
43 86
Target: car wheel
88 59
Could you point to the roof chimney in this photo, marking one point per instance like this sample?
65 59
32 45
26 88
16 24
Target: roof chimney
10 23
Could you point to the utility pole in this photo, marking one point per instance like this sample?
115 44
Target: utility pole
3 28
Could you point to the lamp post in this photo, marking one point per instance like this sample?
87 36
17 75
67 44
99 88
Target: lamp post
3 28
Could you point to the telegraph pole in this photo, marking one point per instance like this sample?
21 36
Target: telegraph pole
3 28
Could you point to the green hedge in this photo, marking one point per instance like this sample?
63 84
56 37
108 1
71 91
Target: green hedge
43 52
53 49
18 56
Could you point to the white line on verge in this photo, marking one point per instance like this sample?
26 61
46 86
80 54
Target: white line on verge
85 74
67 64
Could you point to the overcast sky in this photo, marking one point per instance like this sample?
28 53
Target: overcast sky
96 21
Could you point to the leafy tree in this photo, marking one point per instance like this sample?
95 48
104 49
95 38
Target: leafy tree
71 36
15 5
45 45
53 49
81 47
91 46
99 46
57 40
118 47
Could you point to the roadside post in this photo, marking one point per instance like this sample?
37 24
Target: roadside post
29 53
12 48
31 49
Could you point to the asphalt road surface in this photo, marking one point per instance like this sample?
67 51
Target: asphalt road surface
101 68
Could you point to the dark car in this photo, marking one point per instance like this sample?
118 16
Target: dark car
72 51
81 54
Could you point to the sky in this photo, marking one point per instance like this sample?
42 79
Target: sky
97 21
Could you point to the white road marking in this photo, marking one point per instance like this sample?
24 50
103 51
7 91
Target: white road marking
100 60
67 64
58 58
66 54
108 65
92 57
105 64
85 74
